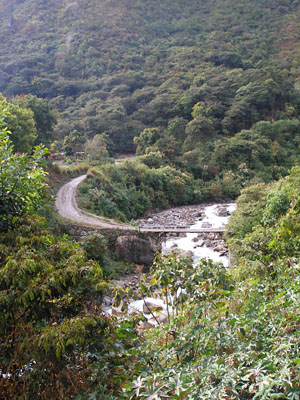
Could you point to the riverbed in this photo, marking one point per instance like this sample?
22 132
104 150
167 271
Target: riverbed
198 245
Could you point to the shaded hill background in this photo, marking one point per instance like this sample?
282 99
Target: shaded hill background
119 67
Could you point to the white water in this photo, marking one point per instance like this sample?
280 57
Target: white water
137 305
187 244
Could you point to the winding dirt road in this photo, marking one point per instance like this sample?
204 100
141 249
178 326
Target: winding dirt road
67 208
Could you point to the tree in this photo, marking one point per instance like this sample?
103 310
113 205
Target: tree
198 131
254 101
264 232
22 178
50 314
147 139
251 204
51 324
21 124
73 142
45 118
96 148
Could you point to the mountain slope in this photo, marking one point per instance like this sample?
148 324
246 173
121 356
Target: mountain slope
121 66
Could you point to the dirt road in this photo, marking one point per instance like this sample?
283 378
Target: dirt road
67 208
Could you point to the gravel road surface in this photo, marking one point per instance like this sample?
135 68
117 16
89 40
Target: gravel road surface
67 208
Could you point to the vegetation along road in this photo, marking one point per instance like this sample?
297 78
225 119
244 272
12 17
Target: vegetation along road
67 208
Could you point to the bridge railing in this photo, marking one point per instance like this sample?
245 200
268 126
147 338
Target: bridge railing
181 230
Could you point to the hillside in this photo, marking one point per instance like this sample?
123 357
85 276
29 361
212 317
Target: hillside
122 66
207 95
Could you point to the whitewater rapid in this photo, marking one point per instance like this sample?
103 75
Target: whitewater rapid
187 244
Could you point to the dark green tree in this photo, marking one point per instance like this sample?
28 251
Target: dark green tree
45 118
21 124
22 178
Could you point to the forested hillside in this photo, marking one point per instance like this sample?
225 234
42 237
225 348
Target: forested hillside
207 95
229 334
194 70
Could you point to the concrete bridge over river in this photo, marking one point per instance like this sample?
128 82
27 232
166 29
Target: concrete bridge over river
181 230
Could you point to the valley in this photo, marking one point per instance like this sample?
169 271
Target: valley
149 199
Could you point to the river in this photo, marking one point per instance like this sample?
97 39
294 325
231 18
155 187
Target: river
197 245
189 243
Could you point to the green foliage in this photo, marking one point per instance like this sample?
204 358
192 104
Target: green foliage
51 323
96 149
73 143
30 122
243 349
250 207
50 313
45 118
95 246
219 169
119 67
271 236
210 79
21 124
101 249
277 204
129 190
179 283
22 178
146 139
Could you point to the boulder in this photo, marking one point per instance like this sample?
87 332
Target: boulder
137 250
222 212
117 310
160 318
148 305
206 225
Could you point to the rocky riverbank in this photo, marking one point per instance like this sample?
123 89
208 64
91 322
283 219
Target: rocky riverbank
196 245
204 216
213 241
183 217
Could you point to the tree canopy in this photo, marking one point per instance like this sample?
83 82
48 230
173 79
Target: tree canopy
22 178
118 67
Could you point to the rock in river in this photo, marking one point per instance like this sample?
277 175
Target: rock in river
135 249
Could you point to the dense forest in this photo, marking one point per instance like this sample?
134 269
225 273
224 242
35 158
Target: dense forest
210 89
206 96
196 72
